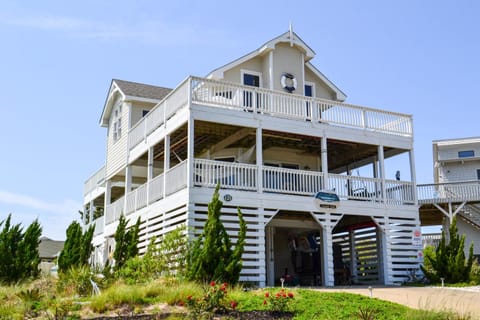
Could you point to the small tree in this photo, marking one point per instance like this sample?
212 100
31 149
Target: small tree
212 257
126 242
77 248
449 261
19 251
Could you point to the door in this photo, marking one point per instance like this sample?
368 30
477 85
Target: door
250 99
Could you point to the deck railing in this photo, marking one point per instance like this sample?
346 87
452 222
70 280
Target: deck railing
94 181
176 177
279 104
241 176
275 103
301 182
449 192
231 175
291 181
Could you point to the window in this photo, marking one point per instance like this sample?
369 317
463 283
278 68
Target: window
478 174
117 124
466 154
145 112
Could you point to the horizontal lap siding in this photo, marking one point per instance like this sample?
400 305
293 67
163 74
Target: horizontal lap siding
253 258
117 150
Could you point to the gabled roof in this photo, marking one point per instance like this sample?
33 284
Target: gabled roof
140 90
48 248
287 37
131 91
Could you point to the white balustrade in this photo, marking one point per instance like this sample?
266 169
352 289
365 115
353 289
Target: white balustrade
99 225
94 181
291 181
449 192
156 188
109 214
230 175
246 98
176 178
141 196
131 201
399 192
177 99
136 134
155 117
355 188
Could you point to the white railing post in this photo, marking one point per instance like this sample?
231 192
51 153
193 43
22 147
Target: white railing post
381 162
259 159
324 156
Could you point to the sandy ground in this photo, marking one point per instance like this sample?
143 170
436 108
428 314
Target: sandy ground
465 301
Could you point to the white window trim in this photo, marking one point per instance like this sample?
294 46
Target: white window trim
254 73
309 83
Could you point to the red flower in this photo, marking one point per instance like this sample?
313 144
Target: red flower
233 304
189 298
264 302
277 295
267 294
290 294
212 283
181 303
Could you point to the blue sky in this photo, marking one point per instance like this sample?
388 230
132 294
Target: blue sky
57 59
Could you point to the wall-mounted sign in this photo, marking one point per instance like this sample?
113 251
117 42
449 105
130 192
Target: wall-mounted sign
417 238
227 197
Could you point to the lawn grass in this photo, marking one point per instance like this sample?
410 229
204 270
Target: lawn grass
169 295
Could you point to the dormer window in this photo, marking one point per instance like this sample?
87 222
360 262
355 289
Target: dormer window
466 154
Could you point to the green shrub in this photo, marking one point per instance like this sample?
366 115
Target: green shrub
449 261
75 281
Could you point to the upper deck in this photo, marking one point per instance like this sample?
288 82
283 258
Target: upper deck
276 104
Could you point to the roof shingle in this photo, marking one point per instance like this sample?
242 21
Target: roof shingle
141 90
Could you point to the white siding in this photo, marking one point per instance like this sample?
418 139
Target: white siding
451 152
459 171
471 235
137 111
117 150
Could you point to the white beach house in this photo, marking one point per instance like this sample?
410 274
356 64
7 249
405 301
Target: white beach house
273 131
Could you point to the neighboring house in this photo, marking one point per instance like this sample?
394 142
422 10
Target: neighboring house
49 250
457 171
273 131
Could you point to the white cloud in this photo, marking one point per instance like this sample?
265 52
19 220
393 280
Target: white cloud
146 31
66 206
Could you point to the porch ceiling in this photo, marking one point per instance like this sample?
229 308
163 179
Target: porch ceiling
340 153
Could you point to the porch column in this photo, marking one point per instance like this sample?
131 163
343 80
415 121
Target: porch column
108 199
353 256
270 256
381 163
259 159
190 151
166 161
375 175
324 155
128 187
91 211
327 253
383 249
413 176
149 171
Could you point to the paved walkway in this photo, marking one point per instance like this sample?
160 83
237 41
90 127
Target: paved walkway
465 301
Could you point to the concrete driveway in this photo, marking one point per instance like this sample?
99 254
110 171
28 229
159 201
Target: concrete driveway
464 301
